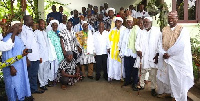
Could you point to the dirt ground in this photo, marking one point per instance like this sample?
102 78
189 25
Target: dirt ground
92 90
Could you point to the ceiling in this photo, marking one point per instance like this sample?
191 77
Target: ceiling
78 4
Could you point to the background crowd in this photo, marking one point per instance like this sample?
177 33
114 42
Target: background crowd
123 44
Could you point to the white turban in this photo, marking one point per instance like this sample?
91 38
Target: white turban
110 9
14 22
149 18
54 21
118 18
84 22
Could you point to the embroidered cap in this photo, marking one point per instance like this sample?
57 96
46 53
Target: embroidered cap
129 18
173 13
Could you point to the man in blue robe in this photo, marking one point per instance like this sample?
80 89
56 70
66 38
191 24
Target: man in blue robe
16 76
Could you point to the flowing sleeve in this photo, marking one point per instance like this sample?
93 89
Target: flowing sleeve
160 50
5 46
138 41
109 39
23 36
39 42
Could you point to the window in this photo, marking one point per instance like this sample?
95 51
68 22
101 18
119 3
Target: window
188 10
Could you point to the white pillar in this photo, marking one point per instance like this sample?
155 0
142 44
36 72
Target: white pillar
41 9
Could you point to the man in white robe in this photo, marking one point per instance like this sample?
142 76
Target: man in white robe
175 72
147 50
44 65
115 62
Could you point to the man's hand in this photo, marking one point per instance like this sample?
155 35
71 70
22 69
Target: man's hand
79 50
156 59
25 52
13 71
28 62
77 75
15 28
166 56
139 53
40 60
108 50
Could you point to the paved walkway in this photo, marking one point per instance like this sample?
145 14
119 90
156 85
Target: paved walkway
91 90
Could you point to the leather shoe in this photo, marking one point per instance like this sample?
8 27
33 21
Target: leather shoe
38 92
49 85
97 78
90 77
153 92
63 87
30 98
135 88
43 88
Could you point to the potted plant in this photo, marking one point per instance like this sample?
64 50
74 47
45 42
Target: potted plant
195 47
3 96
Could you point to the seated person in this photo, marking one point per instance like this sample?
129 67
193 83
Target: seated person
68 70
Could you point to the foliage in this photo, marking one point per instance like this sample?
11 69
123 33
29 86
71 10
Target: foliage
159 7
192 13
6 13
50 3
195 47
32 8
180 10
2 88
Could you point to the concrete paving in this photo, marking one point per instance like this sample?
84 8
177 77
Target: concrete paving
92 90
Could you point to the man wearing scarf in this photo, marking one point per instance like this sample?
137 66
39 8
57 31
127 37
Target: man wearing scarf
115 69
85 39
53 35
110 23
128 52
175 72
55 46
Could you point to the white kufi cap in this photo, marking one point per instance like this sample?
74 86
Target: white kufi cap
14 22
149 18
54 21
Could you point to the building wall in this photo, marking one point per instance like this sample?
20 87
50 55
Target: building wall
192 27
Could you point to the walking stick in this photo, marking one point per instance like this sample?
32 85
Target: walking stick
122 79
54 82
140 75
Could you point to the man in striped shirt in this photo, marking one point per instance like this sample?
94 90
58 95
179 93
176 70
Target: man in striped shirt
68 41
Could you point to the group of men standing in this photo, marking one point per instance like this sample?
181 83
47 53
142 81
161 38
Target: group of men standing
118 46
